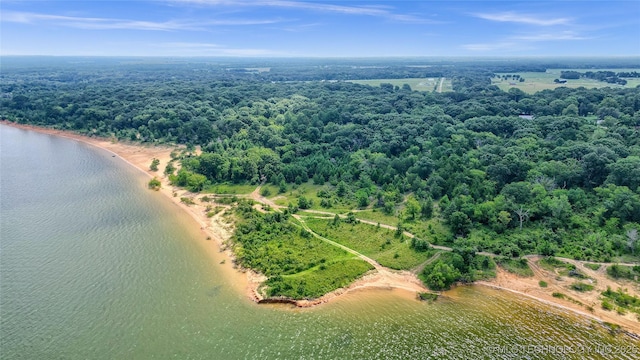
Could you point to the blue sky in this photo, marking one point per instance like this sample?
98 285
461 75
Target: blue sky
361 28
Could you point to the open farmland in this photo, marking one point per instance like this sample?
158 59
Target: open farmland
537 81
419 84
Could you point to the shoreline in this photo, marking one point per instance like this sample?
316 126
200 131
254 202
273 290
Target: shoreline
217 231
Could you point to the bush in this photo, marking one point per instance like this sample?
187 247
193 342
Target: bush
582 287
606 305
593 267
187 201
620 272
441 276
542 283
427 296
154 164
304 203
420 245
154 184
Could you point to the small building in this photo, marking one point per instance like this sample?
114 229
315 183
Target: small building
526 116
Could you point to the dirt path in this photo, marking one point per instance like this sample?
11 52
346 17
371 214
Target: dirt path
440 85
418 269
347 249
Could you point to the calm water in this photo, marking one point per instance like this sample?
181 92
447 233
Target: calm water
94 266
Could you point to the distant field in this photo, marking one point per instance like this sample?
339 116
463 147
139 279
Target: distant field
419 84
537 81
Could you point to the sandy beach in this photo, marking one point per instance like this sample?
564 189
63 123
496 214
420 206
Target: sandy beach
216 230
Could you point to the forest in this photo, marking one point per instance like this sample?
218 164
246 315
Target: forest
477 168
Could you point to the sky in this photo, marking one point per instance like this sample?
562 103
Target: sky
297 28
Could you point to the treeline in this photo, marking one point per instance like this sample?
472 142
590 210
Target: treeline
610 77
563 183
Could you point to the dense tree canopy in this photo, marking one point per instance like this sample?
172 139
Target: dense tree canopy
566 181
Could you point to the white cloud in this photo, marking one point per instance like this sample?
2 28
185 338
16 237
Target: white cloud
376 11
89 22
523 19
93 23
556 36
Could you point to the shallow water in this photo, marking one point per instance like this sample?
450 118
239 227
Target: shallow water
93 265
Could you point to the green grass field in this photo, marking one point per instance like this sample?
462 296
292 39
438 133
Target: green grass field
377 243
230 189
376 215
537 81
319 280
310 191
419 84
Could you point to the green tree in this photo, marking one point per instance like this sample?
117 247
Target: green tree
412 207
169 169
304 203
625 172
154 184
154 164
196 182
460 223
441 276
426 209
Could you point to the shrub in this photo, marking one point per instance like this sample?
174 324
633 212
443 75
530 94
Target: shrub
606 305
620 272
582 287
154 164
154 184
593 267
427 296
304 203
542 283
187 201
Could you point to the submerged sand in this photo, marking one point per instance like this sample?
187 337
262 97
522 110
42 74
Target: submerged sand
218 229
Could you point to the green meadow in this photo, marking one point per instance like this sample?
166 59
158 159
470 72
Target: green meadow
538 81
419 84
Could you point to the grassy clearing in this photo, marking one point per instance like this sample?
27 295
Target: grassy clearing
593 267
273 245
519 267
418 84
231 189
319 280
624 272
560 267
432 230
376 215
537 81
379 244
310 191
